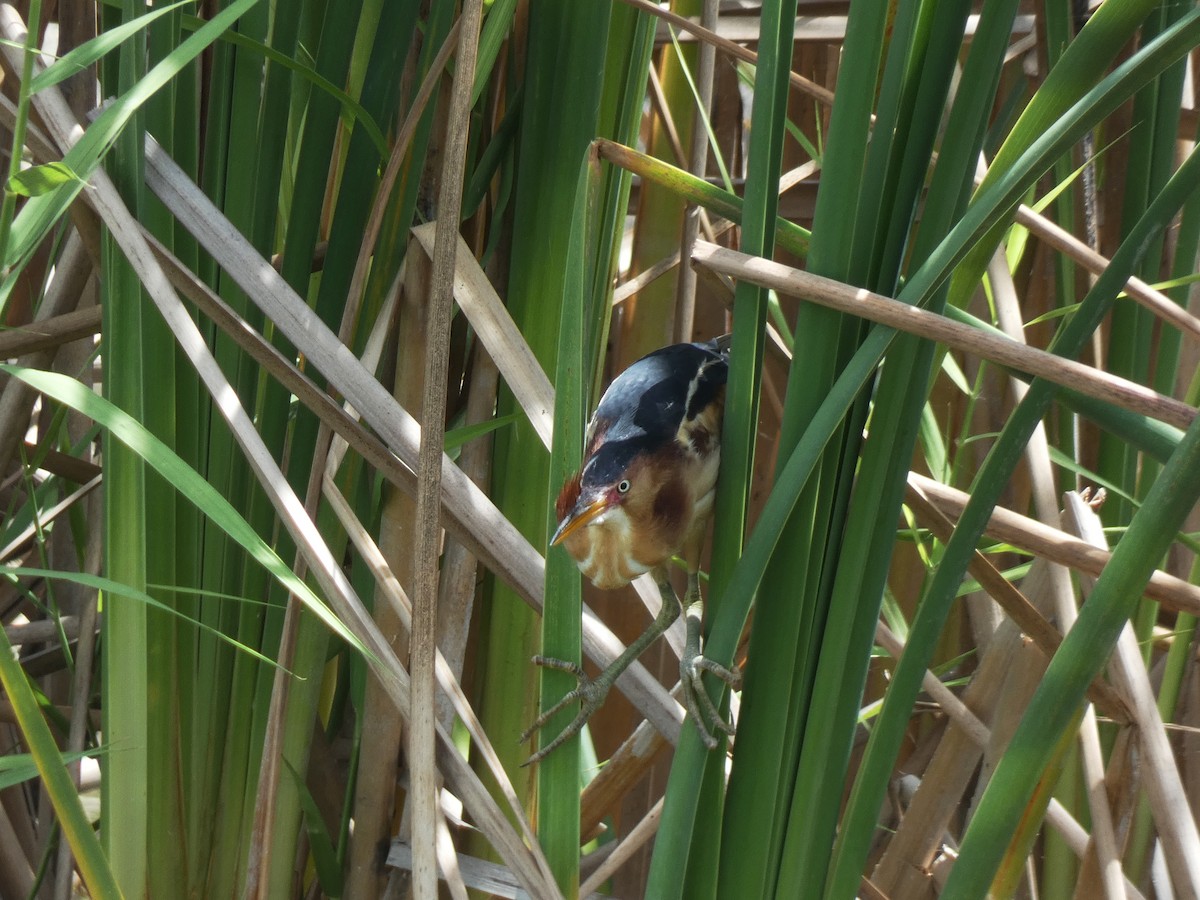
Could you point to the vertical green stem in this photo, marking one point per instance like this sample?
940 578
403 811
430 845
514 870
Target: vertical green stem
562 35
685 854
8 208
124 790
559 773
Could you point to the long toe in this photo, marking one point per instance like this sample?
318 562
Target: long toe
732 677
590 694
570 731
545 717
701 708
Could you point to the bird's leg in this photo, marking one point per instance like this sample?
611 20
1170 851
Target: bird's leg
592 691
692 665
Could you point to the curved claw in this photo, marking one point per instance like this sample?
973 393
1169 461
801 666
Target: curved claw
590 693
703 712
732 677
693 664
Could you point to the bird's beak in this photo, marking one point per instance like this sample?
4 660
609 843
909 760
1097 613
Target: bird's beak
583 513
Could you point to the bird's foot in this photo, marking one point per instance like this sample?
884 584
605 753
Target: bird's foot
590 693
693 664
700 707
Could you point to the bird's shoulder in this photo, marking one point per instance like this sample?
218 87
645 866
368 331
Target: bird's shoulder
649 402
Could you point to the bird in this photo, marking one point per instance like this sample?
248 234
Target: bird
643 495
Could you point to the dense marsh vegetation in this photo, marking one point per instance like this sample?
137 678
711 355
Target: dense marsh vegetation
305 304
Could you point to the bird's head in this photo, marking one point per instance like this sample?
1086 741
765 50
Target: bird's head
590 496
624 513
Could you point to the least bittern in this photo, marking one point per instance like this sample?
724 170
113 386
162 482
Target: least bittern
644 495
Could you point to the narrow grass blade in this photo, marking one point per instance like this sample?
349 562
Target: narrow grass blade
50 763
165 461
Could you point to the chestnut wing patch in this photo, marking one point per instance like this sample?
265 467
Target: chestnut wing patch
670 503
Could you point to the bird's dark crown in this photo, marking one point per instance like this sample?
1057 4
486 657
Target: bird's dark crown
610 461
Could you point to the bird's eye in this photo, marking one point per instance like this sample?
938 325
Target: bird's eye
623 487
